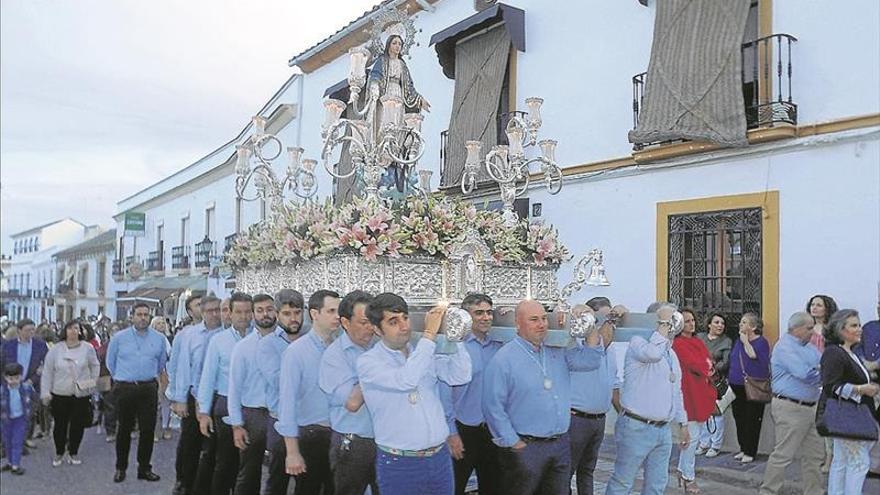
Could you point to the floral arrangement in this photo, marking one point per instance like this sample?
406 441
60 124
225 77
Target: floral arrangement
415 226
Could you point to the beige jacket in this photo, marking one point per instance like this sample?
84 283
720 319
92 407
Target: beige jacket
65 367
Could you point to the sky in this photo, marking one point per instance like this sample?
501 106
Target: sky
99 99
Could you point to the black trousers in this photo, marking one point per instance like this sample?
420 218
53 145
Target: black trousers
250 463
314 445
189 447
748 416
480 453
218 464
278 479
586 440
136 401
353 464
541 468
72 415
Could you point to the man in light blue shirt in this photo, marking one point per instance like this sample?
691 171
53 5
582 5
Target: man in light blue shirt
352 444
183 390
248 414
401 390
212 397
796 383
591 397
194 311
651 399
304 412
135 357
470 441
527 403
289 308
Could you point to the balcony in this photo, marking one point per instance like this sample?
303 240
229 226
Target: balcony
155 261
204 251
228 242
116 268
766 76
180 257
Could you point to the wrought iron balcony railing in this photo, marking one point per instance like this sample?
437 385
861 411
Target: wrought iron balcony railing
155 261
180 257
766 76
117 268
204 252
228 242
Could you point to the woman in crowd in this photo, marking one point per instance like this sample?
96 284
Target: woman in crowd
750 357
719 346
160 324
69 375
820 307
697 392
844 376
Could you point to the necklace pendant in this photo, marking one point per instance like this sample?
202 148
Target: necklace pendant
548 383
413 397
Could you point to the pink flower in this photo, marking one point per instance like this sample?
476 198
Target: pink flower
370 250
546 246
377 223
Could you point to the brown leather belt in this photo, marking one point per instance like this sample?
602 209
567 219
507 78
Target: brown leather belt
582 414
652 422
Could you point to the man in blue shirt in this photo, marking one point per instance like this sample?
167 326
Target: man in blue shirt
591 398
194 311
651 399
212 397
527 403
352 443
248 412
796 384
289 307
470 441
135 358
183 391
304 412
401 387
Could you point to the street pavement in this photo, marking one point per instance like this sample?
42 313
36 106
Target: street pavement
719 476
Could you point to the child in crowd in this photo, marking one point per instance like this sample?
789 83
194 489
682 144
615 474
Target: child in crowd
15 409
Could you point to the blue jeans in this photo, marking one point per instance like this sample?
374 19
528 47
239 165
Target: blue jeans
401 475
541 468
639 443
687 457
14 431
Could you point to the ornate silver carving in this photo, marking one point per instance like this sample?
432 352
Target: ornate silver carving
458 324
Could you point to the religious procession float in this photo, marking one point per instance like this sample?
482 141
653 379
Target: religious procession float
394 235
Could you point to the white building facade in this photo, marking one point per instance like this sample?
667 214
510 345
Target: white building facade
31 275
85 285
760 227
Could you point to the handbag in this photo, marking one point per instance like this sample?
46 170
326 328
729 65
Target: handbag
104 383
757 389
724 402
842 418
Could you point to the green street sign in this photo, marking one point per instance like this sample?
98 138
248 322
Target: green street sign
135 224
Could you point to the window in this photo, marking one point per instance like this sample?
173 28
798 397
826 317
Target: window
480 54
184 231
100 276
721 254
209 223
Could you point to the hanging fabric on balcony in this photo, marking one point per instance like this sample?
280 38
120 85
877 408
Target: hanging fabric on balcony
694 83
480 65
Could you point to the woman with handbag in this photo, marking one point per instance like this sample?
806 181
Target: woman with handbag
697 392
749 378
719 346
69 377
846 407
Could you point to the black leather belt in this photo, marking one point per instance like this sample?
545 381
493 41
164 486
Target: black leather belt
582 414
652 422
137 382
530 438
798 402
